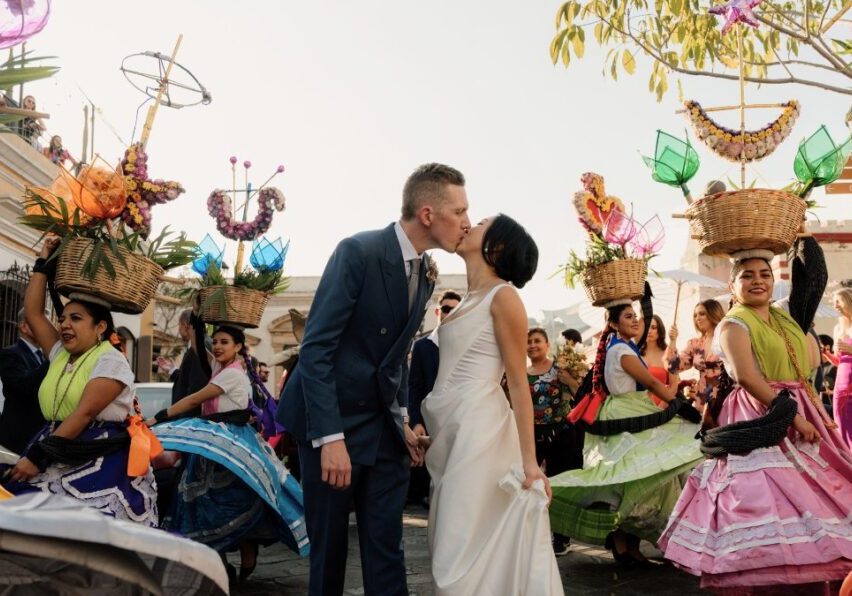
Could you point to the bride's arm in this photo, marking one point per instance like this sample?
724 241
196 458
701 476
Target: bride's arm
510 330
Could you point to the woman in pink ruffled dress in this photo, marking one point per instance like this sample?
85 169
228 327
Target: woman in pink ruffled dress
843 350
774 519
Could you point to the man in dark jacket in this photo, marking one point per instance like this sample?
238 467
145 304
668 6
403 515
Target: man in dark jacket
190 377
22 368
421 380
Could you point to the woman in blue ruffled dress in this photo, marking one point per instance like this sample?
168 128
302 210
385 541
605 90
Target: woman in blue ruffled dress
234 492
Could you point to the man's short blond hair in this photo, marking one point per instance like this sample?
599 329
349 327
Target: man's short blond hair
426 185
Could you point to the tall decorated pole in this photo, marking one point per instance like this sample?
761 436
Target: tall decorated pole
164 85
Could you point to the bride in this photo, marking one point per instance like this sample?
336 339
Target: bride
489 532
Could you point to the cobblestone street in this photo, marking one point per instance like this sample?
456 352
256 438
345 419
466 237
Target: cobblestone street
585 570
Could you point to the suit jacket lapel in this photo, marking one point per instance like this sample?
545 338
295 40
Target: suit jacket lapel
27 355
393 270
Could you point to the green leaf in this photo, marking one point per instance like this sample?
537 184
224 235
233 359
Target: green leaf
599 32
10 77
628 62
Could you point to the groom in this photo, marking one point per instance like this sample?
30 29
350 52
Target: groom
346 402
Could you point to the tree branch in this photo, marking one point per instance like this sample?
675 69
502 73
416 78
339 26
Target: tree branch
763 19
704 73
824 50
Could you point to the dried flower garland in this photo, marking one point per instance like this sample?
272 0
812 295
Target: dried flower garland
730 144
220 208
143 192
593 205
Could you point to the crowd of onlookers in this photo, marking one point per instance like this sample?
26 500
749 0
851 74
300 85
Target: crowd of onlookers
34 131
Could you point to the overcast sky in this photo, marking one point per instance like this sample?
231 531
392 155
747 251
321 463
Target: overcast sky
352 96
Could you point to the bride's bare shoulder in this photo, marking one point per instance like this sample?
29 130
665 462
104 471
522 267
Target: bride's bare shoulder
507 298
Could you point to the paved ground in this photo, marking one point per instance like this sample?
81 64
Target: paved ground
585 570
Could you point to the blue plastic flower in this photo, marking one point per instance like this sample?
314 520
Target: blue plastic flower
269 256
208 252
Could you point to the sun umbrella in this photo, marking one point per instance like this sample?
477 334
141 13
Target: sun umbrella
53 544
681 277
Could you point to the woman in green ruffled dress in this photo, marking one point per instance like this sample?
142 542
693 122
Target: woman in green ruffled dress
630 480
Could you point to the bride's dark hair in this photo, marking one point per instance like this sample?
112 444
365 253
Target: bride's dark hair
509 248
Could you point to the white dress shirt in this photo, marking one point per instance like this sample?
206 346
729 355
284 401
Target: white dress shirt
409 253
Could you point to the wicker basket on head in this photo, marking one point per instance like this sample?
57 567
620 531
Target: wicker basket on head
737 220
616 280
230 305
130 292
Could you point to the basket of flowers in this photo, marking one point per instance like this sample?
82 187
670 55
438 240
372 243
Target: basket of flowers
241 300
98 255
728 222
615 264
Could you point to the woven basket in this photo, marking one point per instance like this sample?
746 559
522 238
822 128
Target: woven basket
230 305
130 292
616 280
728 222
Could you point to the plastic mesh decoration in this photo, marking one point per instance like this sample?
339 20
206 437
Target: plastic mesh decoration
209 253
21 19
819 160
269 256
675 162
649 238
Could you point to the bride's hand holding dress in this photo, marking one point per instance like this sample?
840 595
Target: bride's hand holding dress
510 331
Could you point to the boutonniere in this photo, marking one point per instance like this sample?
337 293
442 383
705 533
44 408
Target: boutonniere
431 270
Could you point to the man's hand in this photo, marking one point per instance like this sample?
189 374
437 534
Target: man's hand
415 451
335 464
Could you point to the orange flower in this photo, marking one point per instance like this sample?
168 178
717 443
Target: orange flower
102 193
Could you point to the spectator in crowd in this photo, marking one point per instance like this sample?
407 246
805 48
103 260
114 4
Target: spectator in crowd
421 379
828 365
698 353
56 153
190 376
572 337
22 368
827 370
31 128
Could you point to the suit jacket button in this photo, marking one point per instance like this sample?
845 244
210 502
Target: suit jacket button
362 403
383 331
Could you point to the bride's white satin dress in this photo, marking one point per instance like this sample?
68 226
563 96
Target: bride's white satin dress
487 535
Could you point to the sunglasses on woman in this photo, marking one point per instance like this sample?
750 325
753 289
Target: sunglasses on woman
446 308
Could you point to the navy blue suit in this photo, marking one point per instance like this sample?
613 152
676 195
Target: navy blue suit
21 374
352 379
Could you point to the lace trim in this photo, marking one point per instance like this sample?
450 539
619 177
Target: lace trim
768 531
763 459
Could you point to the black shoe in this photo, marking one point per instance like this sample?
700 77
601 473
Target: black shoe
561 545
245 572
621 558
